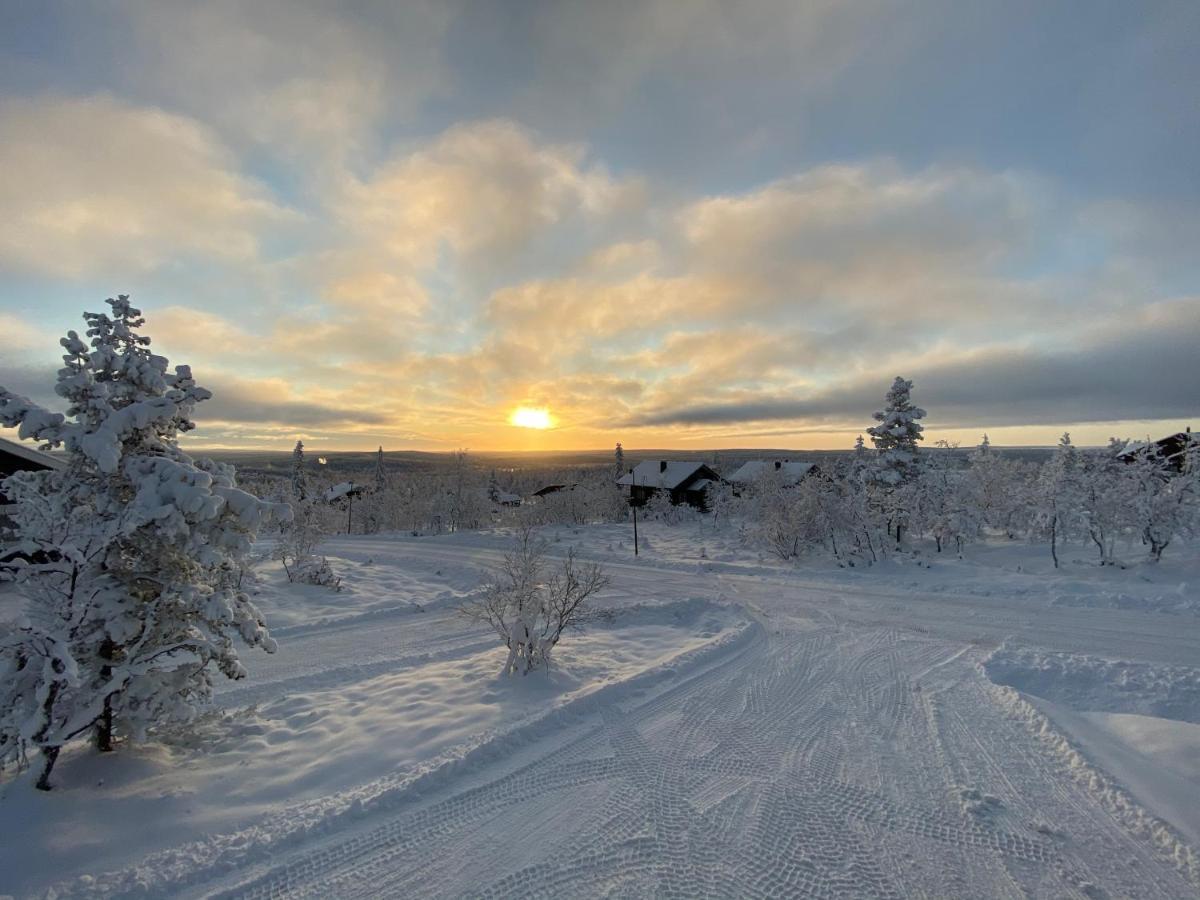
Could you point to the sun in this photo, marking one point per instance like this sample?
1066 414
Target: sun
529 417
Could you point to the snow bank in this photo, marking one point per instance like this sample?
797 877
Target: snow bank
1098 684
1111 794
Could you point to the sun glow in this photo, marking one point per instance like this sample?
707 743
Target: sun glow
528 417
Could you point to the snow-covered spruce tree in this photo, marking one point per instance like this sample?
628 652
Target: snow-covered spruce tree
300 488
619 460
896 439
530 601
135 553
379 482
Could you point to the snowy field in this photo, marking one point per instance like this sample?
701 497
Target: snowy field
737 726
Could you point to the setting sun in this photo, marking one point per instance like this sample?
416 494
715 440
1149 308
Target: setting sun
527 417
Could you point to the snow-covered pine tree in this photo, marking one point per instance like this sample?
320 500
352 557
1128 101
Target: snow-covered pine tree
619 460
493 488
897 435
896 439
379 484
135 553
299 474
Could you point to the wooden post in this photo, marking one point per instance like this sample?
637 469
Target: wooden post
350 508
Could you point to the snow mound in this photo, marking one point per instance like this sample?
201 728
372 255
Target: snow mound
1096 684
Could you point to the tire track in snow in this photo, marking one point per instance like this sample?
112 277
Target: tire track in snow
787 771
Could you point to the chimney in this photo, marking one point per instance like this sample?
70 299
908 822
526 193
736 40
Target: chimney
778 465
662 465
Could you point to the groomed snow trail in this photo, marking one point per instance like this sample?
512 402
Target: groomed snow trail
828 756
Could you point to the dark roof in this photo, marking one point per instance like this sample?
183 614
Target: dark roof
552 489
1171 449
16 457
671 475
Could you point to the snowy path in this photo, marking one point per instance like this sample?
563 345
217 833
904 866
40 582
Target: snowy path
851 748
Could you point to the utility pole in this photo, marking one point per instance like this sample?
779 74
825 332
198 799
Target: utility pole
350 507
635 538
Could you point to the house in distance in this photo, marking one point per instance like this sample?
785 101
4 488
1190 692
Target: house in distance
686 481
790 473
1172 449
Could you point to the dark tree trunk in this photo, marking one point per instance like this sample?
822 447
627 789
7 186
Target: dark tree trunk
104 725
1054 540
50 755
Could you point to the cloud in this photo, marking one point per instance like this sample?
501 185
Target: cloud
1139 368
486 190
841 239
301 79
271 401
95 185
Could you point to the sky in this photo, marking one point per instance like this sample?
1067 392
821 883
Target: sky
686 225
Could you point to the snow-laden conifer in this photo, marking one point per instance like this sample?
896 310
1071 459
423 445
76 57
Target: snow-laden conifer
133 553
897 435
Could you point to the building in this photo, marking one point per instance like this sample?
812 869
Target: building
16 457
790 473
542 493
1172 449
686 481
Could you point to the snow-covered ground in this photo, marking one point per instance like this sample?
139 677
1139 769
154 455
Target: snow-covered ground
738 727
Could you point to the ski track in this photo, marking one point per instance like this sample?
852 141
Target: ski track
840 753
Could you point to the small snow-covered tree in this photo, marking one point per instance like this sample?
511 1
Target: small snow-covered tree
530 601
135 553
782 519
1107 497
660 507
1160 499
303 534
1060 496
987 483
464 505
944 505
619 460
